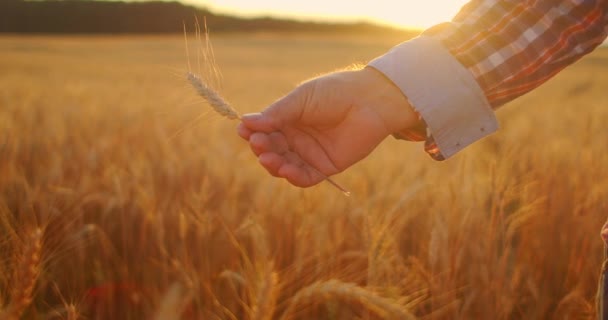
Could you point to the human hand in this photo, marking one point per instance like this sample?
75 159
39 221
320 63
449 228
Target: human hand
326 125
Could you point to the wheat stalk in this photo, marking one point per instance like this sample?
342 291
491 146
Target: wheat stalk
72 312
223 108
335 289
266 297
25 277
173 303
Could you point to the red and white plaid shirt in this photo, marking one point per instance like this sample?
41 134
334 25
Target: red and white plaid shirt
512 47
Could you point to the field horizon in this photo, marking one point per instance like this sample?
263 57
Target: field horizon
123 196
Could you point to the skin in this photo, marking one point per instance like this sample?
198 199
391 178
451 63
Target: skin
329 123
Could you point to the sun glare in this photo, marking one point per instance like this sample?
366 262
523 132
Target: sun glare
405 13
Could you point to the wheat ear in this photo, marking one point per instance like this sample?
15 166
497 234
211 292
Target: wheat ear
213 98
223 108
335 289
266 297
25 276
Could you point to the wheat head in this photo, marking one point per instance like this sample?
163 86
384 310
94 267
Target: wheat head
212 97
335 289
266 297
25 277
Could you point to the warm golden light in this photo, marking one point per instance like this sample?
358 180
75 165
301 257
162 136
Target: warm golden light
404 13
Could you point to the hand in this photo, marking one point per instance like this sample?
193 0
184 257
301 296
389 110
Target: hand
329 123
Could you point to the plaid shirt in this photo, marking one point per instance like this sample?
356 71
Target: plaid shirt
512 47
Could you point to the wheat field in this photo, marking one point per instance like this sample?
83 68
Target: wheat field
123 196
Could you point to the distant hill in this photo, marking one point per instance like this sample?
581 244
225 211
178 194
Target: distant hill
81 16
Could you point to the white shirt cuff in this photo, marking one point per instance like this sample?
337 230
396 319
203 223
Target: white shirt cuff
442 90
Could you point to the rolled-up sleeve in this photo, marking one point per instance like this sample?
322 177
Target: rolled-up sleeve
442 91
456 74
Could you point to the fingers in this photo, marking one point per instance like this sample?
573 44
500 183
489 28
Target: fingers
264 133
273 142
279 142
291 167
300 175
296 175
272 162
258 122
260 143
243 131
272 150
285 110
273 154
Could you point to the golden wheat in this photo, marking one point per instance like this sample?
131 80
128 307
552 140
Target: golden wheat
72 312
212 97
173 303
266 296
335 289
95 151
25 276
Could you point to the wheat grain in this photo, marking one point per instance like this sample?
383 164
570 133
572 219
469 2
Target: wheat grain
335 289
212 97
25 277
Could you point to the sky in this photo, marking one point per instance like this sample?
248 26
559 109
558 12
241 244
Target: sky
401 13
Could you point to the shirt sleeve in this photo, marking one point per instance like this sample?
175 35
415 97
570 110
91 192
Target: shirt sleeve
457 73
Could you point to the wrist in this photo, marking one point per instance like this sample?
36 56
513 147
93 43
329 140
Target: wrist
388 101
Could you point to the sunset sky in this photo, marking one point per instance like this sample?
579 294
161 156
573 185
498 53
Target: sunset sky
403 13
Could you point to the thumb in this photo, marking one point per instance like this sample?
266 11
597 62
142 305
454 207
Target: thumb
259 122
285 110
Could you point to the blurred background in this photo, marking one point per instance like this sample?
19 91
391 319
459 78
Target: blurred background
156 16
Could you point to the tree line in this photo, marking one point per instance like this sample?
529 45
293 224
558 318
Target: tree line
114 17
